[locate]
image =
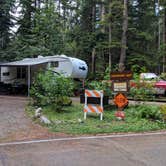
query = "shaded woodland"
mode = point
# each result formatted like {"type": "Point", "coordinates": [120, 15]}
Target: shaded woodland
{"type": "Point", "coordinates": [107, 34]}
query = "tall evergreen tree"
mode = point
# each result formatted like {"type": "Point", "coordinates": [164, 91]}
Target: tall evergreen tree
{"type": "Point", "coordinates": [142, 35]}
{"type": "Point", "coordinates": [124, 37]}
{"type": "Point", "coordinates": [91, 30]}
{"type": "Point", "coordinates": [5, 21]}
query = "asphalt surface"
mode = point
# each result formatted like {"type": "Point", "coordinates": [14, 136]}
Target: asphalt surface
{"type": "Point", "coordinates": [122, 151]}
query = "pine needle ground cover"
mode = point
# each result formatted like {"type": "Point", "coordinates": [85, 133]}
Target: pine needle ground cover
{"type": "Point", "coordinates": [138, 119]}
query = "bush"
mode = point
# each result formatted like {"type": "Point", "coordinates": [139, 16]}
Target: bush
{"type": "Point", "coordinates": [142, 91]}
{"type": "Point", "coordinates": [147, 112]}
{"type": "Point", "coordinates": [101, 85]}
{"type": "Point", "coordinates": [49, 88]}
{"type": "Point", "coordinates": [163, 111]}
{"type": "Point", "coordinates": [163, 76]}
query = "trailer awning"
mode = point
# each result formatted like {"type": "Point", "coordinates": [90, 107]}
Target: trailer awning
{"type": "Point", "coordinates": [35, 61]}
{"type": "Point", "coordinates": [30, 62]}
{"type": "Point", "coordinates": [26, 62]}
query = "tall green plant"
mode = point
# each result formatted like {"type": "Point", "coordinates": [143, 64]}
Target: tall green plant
{"type": "Point", "coordinates": [6, 23]}
{"type": "Point", "coordinates": [150, 112]}
{"type": "Point", "coordinates": [142, 91]}
{"type": "Point", "coordinates": [51, 89]}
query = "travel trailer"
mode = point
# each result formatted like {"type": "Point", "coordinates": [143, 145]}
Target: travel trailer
{"type": "Point", "coordinates": [22, 72]}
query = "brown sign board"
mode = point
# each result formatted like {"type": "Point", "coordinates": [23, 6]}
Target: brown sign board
{"type": "Point", "coordinates": [126, 75]}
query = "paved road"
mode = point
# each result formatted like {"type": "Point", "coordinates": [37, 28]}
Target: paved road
{"type": "Point", "coordinates": [122, 151]}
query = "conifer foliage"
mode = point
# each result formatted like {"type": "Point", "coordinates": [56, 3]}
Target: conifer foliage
{"type": "Point", "coordinates": [119, 34]}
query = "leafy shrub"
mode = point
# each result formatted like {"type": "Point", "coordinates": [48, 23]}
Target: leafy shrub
{"type": "Point", "coordinates": [95, 85]}
{"type": "Point", "coordinates": [49, 88]}
{"type": "Point", "coordinates": [137, 69]}
{"type": "Point", "coordinates": [107, 74]}
{"type": "Point", "coordinates": [163, 76]}
{"type": "Point", "coordinates": [101, 85]}
{"type": "Point", "coordinates": [147, 112]}
{"type": "Point", "coordinates": [142, 91]}
{"type": "Point", "coordinates": [163, 111]}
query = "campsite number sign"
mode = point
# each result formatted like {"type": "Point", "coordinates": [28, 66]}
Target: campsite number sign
{"type": "Point", "coordinates": [120, 86]}
{"type": "Point", "coordinates": [120, 81]}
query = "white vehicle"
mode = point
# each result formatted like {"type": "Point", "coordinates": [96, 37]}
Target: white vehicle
{"type": "Point", "coordinates": [68, 66]}
{"type": "Point", "coordinates": [159, 85]}
{"type": "Point", "coordinates": [148, 76]}
{"type": "Point", "coordinates": [22, 72]}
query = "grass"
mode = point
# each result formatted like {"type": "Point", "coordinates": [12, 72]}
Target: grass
{"type": "Point", "coordinates": [70, 121]}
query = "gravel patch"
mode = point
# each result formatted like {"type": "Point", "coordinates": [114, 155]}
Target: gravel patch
{"type": "Point", "coordinates": [15, 125]}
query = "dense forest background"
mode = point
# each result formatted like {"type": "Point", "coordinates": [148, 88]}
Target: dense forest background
{"type": "Point", "coordinates": [107, 34]}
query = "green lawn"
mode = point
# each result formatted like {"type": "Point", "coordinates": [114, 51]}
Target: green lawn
{"type": "Point", "coordinates": [70, 121]}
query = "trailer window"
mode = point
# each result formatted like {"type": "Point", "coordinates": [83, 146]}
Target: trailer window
{"type": "Point", "coordinates": [6, 74]}
{"type": "Point", "coordinates": [55, 64]}
{"type": "Point", "coordinates": [21, 72]}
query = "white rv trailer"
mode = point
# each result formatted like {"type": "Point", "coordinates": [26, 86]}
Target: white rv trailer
{"type": "Point", "coordinates": [23, 72]}
{"type": "Point", "coordinates": [68, 66]}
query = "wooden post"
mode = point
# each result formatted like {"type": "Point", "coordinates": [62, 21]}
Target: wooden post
{"type": "Point", "coordinates": [124, 38]}
{"type": "Point", "coordinates": [93, 61]}
{"type": "Point", "coordinates": [110, 38]}
{"type": "Point", "coordinates": [29, 80]}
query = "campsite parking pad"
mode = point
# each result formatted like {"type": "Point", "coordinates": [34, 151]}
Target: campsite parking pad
{"type": "Point", "coordinates": [15, 125]}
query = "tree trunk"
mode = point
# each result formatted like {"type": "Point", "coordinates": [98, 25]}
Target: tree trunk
{"type": "Point", "coordinates": [110, 37]}
{"type": "Point", "coordinates": [159, 33]}
{"type": "Point", "coordinates": [39, 3]}
{"type": "Point", "coordinates": [93, 17]}
{"type": "Point", "coordinates": [103, 15]}
{"type": "Point", "coordinates": [59, 7]}
{"type": "Point", "coordinates": [93, 20]}
{"type": "Point", "coordinates": [93, 61]}
{"type": "Point", "coordinates": [124, 38]}
{"type": "Point", "coordinates": [164, 38]}
{"type": "Point", "coordinates": [159, 27]}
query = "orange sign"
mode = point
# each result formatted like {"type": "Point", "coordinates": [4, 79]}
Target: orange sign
{"type": "Point", "coordinates": [120, 100]}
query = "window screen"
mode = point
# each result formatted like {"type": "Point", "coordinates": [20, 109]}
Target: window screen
{"type": "Point", "coordinates": [21, 72]}
{"type": "Point", "coordinates": [6, 74]}
{"type": "Point", "coordinates": [55, 64]}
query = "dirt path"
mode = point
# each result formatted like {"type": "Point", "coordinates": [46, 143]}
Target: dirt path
{"type": "Point", "coordinates": [15, 125]}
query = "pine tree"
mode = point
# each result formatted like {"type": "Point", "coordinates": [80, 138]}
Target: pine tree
{"type": "Point", "coordinates": [142, 35]}
{"type": "Point", "coordinates": [5, 22]}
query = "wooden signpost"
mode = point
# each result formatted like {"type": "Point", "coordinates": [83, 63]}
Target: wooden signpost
{"type": "Point", "coordinates": [120, 86]}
